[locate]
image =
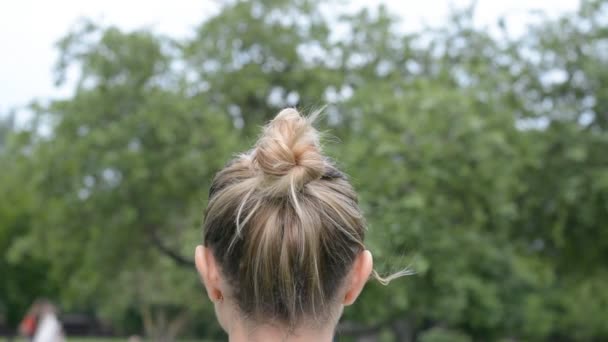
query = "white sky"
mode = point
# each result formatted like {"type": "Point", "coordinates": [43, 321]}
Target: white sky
{"type": "Point", "coordinates": [29, 29]}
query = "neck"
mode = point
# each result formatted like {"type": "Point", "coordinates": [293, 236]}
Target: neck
{"type": "Point", "coordinates": [241, 333]}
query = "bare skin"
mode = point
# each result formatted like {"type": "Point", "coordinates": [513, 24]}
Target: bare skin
{"type": "Point", "coordinates": [240, 330]}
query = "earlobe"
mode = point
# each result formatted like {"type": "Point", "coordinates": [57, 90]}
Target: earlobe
{"type": "Point", "coordinates": [362, 268]}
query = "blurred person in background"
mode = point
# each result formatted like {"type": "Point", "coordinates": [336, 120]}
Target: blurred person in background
{"type": "Point", "coordinates": [27, 327]}
{"type": "Point", "coordinates": [41, 323]}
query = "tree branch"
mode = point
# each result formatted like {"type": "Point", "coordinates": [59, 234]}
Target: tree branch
{"type": "Point", "coordinates": [179, 259]}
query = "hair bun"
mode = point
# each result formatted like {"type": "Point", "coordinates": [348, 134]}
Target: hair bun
{"type": "Point", "coordinates": [288, 153]}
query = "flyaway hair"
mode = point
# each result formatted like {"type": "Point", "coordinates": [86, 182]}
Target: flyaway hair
{"type": "Point", "coordinates": [284, 224]}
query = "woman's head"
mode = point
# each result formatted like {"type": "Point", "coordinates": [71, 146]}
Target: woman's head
{"type": "Point", "coordinates": [283, 233]}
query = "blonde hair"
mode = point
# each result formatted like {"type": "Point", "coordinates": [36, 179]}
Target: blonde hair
{"type": "Point", "coordinates": [284, 224]}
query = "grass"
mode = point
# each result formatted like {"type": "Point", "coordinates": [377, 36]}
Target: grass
{"type": "Point", "coordinates": [95, 339]}
{"type": "Point", "coordinates": [104, 339]}
{"type": "Point", "coordinates": [117, 339]}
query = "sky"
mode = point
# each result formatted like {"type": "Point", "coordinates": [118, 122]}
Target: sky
{"type": "Point", "coordinates": [30, 28]}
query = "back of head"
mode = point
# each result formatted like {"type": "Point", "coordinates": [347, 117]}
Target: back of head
{"type": "Point", "coordinates": [284, 225]}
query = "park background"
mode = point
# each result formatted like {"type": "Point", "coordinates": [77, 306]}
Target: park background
{"type": "Point", "coordinates": [480, 156]}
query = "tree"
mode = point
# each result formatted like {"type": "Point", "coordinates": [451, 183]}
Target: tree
{"type": "Point", "coordinates": [478, 163]}
{"type": "Point", "coordinates": [122, 175]}
{"type": "Point", "coordinates": [24, 278]}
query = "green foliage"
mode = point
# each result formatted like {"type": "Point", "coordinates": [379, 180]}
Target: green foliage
{"type": "Point", "coordinates": [441, 335]}
{"type": "Point", "coordinates": [480, 162]}
{"type": "Point", "coordinates": [23, 276]}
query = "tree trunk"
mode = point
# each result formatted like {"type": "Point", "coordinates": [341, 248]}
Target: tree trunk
{"type": "Point", "coordinates": [159, 328]}
{"type": "Point", "coordinates": [403, 330]}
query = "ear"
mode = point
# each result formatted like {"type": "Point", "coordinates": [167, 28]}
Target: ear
{"type": "Point", "coordinates": [359, 274]}
{"type": "Point", "coordinates": [209, 272]}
